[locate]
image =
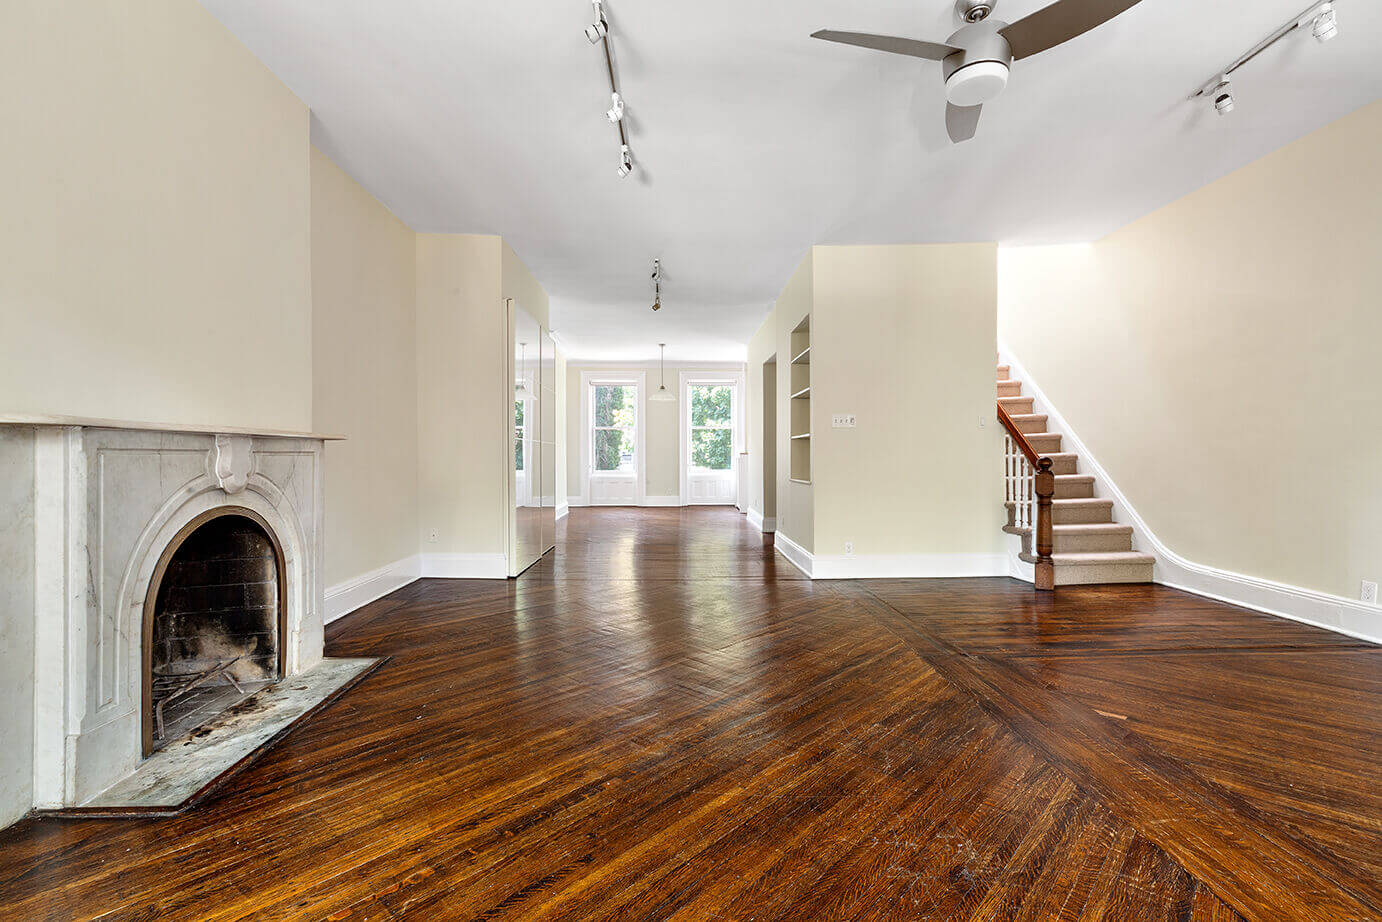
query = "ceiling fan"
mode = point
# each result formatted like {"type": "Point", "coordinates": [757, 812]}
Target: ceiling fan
{"type": "Point", "coordinates": [975, 60]}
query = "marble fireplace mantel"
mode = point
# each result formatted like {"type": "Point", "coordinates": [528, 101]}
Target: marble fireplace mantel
{"type": "Point", "coordinates": [108, 497]}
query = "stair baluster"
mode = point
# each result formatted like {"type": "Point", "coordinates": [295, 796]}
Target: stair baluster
{"type": "Point", "coordinates": [1031, 484]}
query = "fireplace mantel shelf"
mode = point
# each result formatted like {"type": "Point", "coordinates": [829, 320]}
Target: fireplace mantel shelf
{"type": "Point", "coordinates": [21, 419]}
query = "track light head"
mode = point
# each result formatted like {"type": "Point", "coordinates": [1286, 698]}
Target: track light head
{"type": "Point", "coordinates": [616, 110]}
{"type": "Point", "coordinates": [1223, 97]}
{"type": "Point", "coordinates": [625, 161]}
{"type": "Point", "coordinates": [597, 30]}
{"type": "Point", "coordinates": [1326, 24]}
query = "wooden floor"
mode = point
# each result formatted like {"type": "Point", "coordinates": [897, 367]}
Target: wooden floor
{"type": "Point", "coordinates": [664, 722]}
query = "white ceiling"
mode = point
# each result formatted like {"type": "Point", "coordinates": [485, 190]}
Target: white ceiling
{"type": "Point", "coordinates": [754, 141]}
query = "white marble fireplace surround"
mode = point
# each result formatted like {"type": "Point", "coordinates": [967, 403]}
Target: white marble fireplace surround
{"type": "Point", "coordinates": [107, 499]}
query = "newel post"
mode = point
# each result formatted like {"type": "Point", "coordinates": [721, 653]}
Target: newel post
{"type": "Point", "coordinates": [1045, 487]}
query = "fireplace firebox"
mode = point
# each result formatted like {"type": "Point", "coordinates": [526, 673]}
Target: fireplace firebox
{"type": "Point", "coordinates": [214, 622]}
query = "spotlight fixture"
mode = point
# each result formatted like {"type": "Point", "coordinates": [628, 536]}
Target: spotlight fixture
{"type": "Point", "coordinates": [657, 285]}
{"type": "Point", "coordinates": [616, 110]}
{"type": "Point", "coordinates": [625, 163]}
{"type": "Point", "coordinates": [600, 27]}
{"type": "Point", "coordinates": [1318, 16]}
{"type": "Point", "coordinates": [1325, 25]}
{"type": "Point", "coordinates": [1223, 97]}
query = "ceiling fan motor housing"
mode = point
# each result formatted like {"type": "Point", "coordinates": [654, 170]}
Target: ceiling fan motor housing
{"type": "Point", "coordinates": [979, 73]}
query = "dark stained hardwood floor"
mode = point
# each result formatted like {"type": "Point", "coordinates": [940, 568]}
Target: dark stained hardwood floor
{"type": "Point", "coordinates": [663, 721]}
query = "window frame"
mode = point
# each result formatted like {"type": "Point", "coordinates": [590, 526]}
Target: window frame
{"type": "Point", "coordinates": [589, 381]}
{"type": "Point", "coordinates": [734, 379]}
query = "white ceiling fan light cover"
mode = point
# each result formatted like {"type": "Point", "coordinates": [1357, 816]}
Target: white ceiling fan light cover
{"type": "Point", "coordinates": [977, 83]}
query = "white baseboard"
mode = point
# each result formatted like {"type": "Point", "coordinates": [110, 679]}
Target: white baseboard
{"type": "Point", "coordinates": [344, 598]}
{"type": "Point", "coordinates": [757, 520]}
{"type": "Point", "coordinates": [563, 510]}
{"type": "Point", "coordinates": [908, 566]}
{"type": "Point", "coordinates": [465, 566]}
{"type": "Point", "coordinates": [574, 501]}
{"type": "Point", "coordinates": [672, 500]}
{"type": "Point", "coordinates": [796, 555]}
{"type": "Point", "coordinates": [1321, 609]}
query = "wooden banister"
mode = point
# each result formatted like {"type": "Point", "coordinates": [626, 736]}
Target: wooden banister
{"type": "Point", "coordinates": [1043, 489]}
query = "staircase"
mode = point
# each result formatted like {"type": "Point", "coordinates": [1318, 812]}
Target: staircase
{"type": "Point", "coordinates": [1087, 545]}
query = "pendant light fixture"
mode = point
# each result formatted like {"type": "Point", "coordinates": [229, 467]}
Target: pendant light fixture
{"type": "Point", "coordinates": [662, 395]}
{"type": "Point", "coordinates": [520, 388]}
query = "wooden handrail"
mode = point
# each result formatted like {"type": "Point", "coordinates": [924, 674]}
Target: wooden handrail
{"type": "Point", "coordinates": [1044, 487]}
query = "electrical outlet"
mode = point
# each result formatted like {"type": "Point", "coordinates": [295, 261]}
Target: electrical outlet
{"type": "Point", "coordinates": [983, 423]}
{"type": "Point", "coordinates": [842, 421]}
{"type": "Point", "coordinates": [1369, 593]}
{"type": "Point", "coordinates": [849, 548]}
{"type": "Point", "coordinates": [432, 536]}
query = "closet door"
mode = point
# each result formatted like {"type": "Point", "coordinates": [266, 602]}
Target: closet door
{"type": "Point", "coordinates": [527, 492]}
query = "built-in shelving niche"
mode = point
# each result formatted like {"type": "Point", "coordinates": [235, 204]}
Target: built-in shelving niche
{"type": "Point", "coordinates": [800, 390]}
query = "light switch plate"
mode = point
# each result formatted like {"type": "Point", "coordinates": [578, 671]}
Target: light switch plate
{"type": "Point", "coordinates": [1369, 593]}
{"type": "Point", "coordinates": [842, 421]}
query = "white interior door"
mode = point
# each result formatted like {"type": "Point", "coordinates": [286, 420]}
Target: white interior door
{"type": "Point", "coordinates": [710, 439]}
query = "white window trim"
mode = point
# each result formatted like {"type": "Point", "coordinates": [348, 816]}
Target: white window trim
{"type": "Point", "coordinates": [688, 378]}
{"type": "Point", "coordinates": [638, 379]}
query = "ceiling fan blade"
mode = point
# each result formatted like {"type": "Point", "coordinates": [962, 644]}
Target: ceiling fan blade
{"type": "Point", "coordinates": [1059, 22]}
{"type": "Point", "coordinates": [961, 121]}
{"type": "Point", "coordinates": [933, 51]}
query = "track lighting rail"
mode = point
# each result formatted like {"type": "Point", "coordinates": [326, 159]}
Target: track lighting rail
{"type": "Point", "coordinates": [1319, 16]}
{"type": "Point", "coordinates": [598, 33]}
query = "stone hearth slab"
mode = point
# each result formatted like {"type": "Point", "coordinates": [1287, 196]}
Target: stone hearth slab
{"type": "Point", "coordinates": [185, 771]}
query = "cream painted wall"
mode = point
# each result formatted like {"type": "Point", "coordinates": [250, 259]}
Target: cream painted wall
{"type": "Point", "coordinates": [1219, 357]}
{"type": "Point", "coordinates": [563, 451]}
{"type": "Point", "coordinates": [364, 327]}
{"type": "Point", "coordinates": [762, 452]}
{"type": "Point", "coordinates": [796, 517]}
{"type": "Point", "coordinates": [463, 443]}
{"type": "Point", "coordinates": [465, 386]}
{"type": "Point", "coordinates": [156, 232]}
{"type": "Point", "coordinates": [903, 338]}
{"type": "Point", "coordinates": [662, 422]}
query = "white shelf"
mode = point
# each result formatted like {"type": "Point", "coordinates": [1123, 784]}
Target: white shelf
{"type": "Point", "coordinates": [804, 392]}
{"type": "Point", "coordinates": [804, 435]}
{"type": "Point", "coordinates": [803, 357]}
{"type": "Point", "coordinates": [796, 480]}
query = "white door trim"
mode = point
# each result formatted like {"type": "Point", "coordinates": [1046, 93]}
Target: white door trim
{"type": "Point", "coordinates": [639, 380]}
{"type": "Point", "coordinates": [688, 378]}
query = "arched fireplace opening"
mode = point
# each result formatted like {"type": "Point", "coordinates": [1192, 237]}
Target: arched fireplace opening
{"type": "Point", "coordinates": [214, 622]}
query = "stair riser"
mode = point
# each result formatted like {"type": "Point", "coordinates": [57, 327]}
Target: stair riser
{"type": "Point", "coordinates": [1081, 515]}
{"type": "Point", "coordinates": [1103, 574]}
{"type": "Point", "coordinates": [1065, 466]}
{"type": "Point", "coordinates": [1076, 490]}
{"type": "Point", "coordinates": [1003, 372]}
{"type": "Point", "coordinates": [1081, 544]}
{"type": "Point", "coordinates": [1092, 544]}
{"type": "Point", "coordinates": [1030, 425]}
{"type": "Point", "coordinates": [1016, 404]}
{"type": "Point", "coordinates": [1009, 388]}
{"type": "Point", "coordinates": [1045, 443]}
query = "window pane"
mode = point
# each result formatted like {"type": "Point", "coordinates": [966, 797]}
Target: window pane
{"type": "Point", "coordinates": [614, 405]}
{"type": "Point", "coordinates": [614, 450]}
{"type": "Point", "coordinates": [710, 448]}
{"type": "Point", "coordinates": [518, 454]}
{"type": "Point", "coordinates": [518, 414]}
{"type": "Point", "coordinates": [710, 405]}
